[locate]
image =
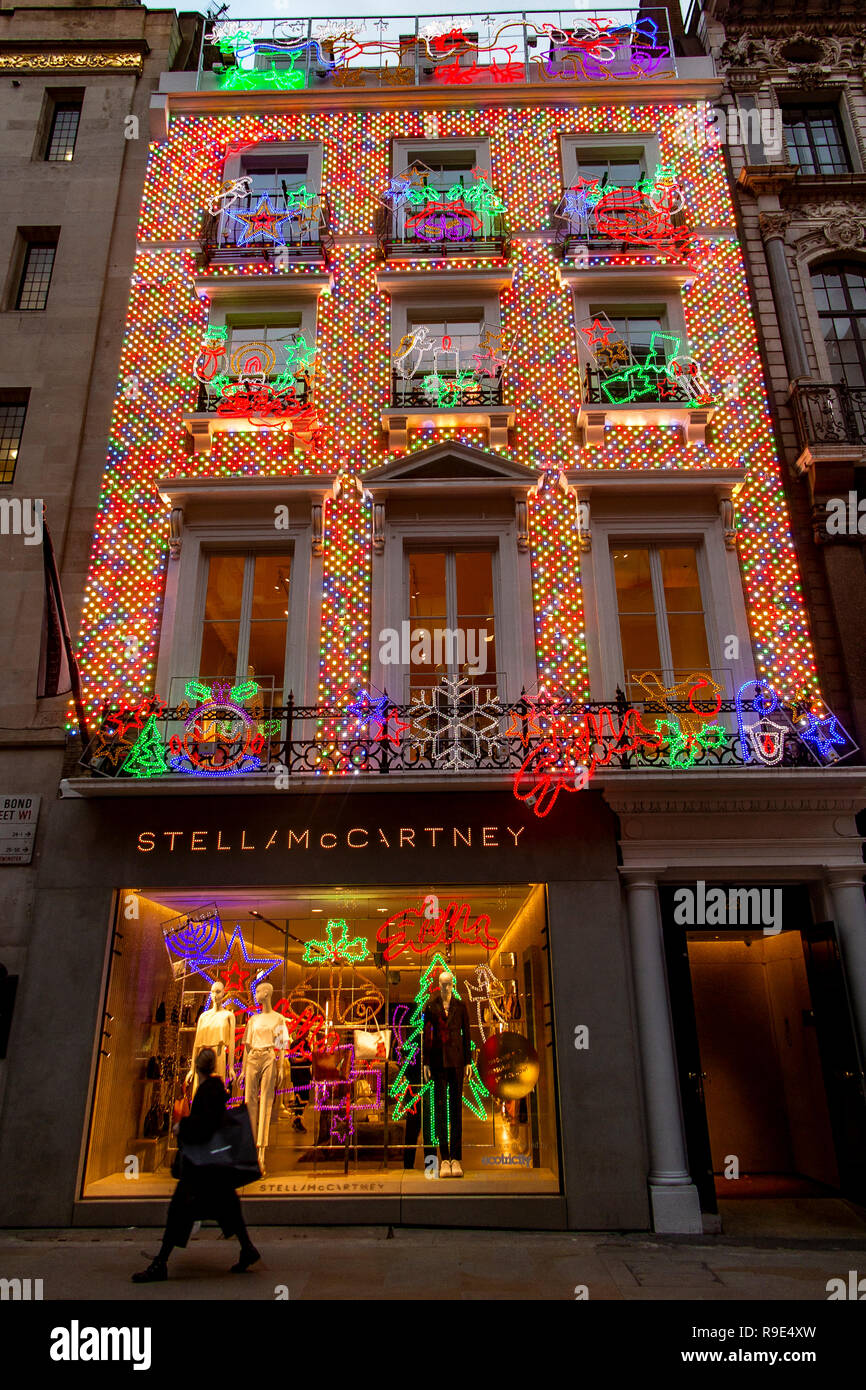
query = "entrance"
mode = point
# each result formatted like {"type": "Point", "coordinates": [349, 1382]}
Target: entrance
{"type": "Point", "coordinates": [768, 1068]}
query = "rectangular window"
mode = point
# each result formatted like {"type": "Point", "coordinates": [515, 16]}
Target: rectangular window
{"type": "Point", "coordinates": [660, 608]}
{"type": "Point", "coordinates": [343, 1108]}
{"type": "Point", "coordinates": [246, 621]}
{"type": "Point", "coordinates": [815, 140]}
{"type": "Point", "coordinates": [452, 618]}
{"type": "Point", "coordinates": [455, 337]}
{"type": "Point", "coordinates": [615, 163]}
{"type": "Point", "coordinates": [63, 131]}
{"type": "Point", "coordinates": [36, 275]}
{"type": "Point", "coordinates": [12, 415]}
{"type": "Point", "coordinates": [446, 167]}
{"type": "Point", "coordinates": [611, 172]}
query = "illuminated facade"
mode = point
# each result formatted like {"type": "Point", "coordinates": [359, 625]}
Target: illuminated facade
{"type": "Point", "coordinates": [443, 553]}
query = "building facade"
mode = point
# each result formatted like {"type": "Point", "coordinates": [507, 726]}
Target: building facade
{"type": "Point", "coordinates": [444, 611]}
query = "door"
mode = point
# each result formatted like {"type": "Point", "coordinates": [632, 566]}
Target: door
{"type": "Point", "coordinates": [841, 1065]}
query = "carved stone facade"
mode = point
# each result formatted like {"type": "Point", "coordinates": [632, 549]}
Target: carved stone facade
{"type": "Point", "coordinates": [796, 224]}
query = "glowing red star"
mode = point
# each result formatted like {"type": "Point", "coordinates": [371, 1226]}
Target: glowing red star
{"type": "Point", "coordinates": [597, 333]}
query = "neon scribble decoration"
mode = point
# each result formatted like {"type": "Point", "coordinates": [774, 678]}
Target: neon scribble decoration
{"type": "Point", "coordinates": [451, 924]}
{"type": "Point", "coordinates": [243, 387]}
{"type": "Point", "coordinates": [261, 221]}
{"type": "Point", "coordinates": [309, 1032]}
{"type": "Point", "coordinates": [260, 64]}
{"type": "Point", "coordinates": [641, 217]}
{"type": "Point", "coordinates": [336, 948]}
{"type": "Point", "coordinates": [221, 738]}
{"type": "Point", "coordinates": [487, 992]}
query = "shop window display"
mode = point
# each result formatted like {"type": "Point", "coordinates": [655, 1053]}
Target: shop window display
{"type": "Point", "coordinates": [392, 1035]}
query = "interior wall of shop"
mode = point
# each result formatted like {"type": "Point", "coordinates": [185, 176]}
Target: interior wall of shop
{"type": "Point", "coordinates": [90, 851]}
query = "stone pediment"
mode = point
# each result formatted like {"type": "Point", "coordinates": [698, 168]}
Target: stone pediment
{"type": "Point", "coordinates": [452, 463]}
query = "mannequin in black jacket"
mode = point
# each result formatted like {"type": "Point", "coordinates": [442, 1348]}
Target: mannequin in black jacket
{"type": "Point", "coordinates": [447, 1055]}
{"type": "Point", "coordinates": [202, 1192]}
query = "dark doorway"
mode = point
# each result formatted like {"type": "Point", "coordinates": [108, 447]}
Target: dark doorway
{"type": "Point", "coordinates": [769, 1077]}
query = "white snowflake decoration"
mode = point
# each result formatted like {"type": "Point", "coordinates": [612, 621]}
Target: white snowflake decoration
{"type": "Point", "coordinates": [458, 724]}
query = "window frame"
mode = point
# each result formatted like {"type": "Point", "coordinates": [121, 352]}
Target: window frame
{"type": "Point", "coordinates": [180, 640]}
{"type": "Point", "coordinates": [464, 528]}
{"type": "Point", "coordinates": [32, 243]}
{"type": "Point", "coordinates": [450, 551]}
{"type": "Point", "coordinates": [20, 399]}
{"type": "Point", "coordinates": [58, 102]}
{"type": "Point", "coordinates": [818, 316]}
{"type": "Point", "coordinates": [621, 144]}
{"type": "Point", "coordinates": [697, 524]}
{"type": "Point", "coordinates": [795, 101]}
{"type": "Point", "coordinates": [406, 150]}
{"type": "Point", "coordinates": [236, 164]}
{"type": "Point", "coordinates": [667, 669]}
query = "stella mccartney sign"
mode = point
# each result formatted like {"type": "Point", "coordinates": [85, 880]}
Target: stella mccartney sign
{"type": "Point", "coordinates": [357, 837]}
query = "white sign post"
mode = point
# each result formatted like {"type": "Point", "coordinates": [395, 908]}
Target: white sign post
{"type": "Point", "coordinates": [19, 816]}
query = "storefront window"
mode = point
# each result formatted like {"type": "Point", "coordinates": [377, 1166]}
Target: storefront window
{"type": "Point", "coordinates": [350, 1065]}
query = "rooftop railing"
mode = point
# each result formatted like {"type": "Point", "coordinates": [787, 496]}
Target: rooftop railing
{"type": "Point", "coordinates": [829, 413]}
{"type": "Point", "coordinates": [516, 46]}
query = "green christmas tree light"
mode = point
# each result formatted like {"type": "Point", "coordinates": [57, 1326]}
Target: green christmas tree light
{"type": "Point", "coordinates": [147, 757]}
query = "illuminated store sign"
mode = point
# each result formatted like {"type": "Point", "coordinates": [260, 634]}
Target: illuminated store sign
{"type": "Point", "coordinates": [358, 837]}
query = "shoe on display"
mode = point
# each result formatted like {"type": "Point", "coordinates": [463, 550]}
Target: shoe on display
{"type": "Point", "coordinates": [248, 1256]}
{"type": "Point", "coordinates": [456, 1168]}
{"type": "Point", "coordinates": [445, 1168]}
{"type": "Point", "coordinates": [156, 1271]}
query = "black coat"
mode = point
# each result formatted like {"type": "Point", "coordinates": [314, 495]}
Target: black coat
{"type": "Point", "coordinates": [204, 1192]}
{"type": "Point", "coordinates": [446, 1037]}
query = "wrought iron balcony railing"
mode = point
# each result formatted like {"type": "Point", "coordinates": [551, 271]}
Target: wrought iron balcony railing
{"type": "Point", "coordinates": [440, 230]}
{"type": "Point", "coordinates": [445, 391]}
{"type": "Point", "coordinates": [829, 413]}
{"type": "Point", "coordinates": [211, 393]}
{"type": "Point", "coordinates": [458, 728]}
{"type": "Point", "coordinates": [633, 385]}
{"type": "Point", "coordinates": [624, 222]}
{"type": "Point", "coordinates": [280, 225]}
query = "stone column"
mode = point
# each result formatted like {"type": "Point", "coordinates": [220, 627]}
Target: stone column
{"type": "Point", "coordinates": [849, 912]}
{"type": "Point", "coordinates": [673, 1196]}
{"type": "Point", "coordinates": [773, 227]}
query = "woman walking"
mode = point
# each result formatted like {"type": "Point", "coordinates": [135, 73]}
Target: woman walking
{"type": "Point", "coordinates": [205, 1191]}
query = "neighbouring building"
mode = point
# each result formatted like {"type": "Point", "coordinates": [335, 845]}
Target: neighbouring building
{"type": "Point", "coordinates": [444, 610]}
{"type": "Point", "coordinates": [75, 89]}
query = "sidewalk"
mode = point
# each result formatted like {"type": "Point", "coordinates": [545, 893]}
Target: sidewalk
{"type": "Point", "coordinates": [365, 1263]}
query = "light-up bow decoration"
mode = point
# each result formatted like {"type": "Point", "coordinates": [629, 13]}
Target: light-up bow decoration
{"type": "Point", "coordinates": [337, 947]}
{"type": "Point", "coordinates": [221, 738]}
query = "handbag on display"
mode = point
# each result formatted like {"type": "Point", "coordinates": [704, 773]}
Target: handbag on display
{"type": "Point", "coordinates": [180, 1109]}
{"type": "Point", "coordinates": [151, 1123]}
{"type": "Point", "coordinates": [332, 1066]}
{"type": "Point", "coordinates": [372, 1047]}
{"type": "Point", "coordinates": [152, 1071]}
{"type": "Point", "coordinates": [160, 1012]}
{"type": "Point", "coordinates": [231, 1148]}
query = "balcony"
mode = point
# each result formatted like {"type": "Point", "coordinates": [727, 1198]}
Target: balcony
{"type": "Point", "coordinates": [658, 385]}
{"type": "Point", "coordinates": [628, 224]}
{"type": "Point", "coordinates": [443, 224]}
{"type": "Point", "coordinates": [435, 52]}
{"type": "Point", "coordinates": [831, 423]}
{"type": "Point", "coordinates": [282, 226]}
{"type": "Point", "coordinates": [446, 399]}
{"type": "Point", "coordinates": [245, 403]}
{"type": "Point", "coordinates": [540, 746]}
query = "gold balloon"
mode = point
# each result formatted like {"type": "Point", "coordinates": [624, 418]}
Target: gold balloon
{"type": "Point", "coordinates": [508, 1065]}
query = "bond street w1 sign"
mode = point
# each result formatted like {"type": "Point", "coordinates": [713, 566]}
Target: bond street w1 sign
{"type": "Point", "coordinates": [19, 816]}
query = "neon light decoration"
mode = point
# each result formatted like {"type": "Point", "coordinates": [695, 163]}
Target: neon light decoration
{"type": "Point", "coordinates": [378, 710]}
{"type": "Point", "coordinates": [455, 728]}
{"type": "Point", "coordinates": [261, 221]}
{"type": "Point", "coordinates": [147, 758]}
{"type": "Point", "coordinates": [219, 723]}
{"type": "Point", "coordinates": [309, 1032]}
{"type": "Point", "coordinates": [408, 1094]}
{"type": "Point", "coordinates": [451, 924]}
{"type": "Point", "coordinates": [663, 373]}
{"type": "Point", "coordinates": [336, 948]}
{"type": "Point", "coordinates": [486, 992]}
{"type": "Point", "coordinates": [195, 934]}
{"type": "Point", "coordinates": [166, 325]}
{"type": "Point", "coordinates": [684, 748]}
{"type": "Point", "coordinates": [693, 689]}
{"type": "Point", "coordinates": [231, 192]}
{"type": "Point", "coordinates": [236, 968]}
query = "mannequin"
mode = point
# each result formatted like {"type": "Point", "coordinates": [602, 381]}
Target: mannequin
{"type": "Point", "coordinates": [447, 1055]}
{"type": "Point", "coordinates": [216, 1029]}
{"type": "Point", "coordinates": [265, 1041]}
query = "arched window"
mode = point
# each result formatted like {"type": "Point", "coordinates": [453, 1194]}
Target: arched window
{"type": "Point", "coordinates": [840, 297]}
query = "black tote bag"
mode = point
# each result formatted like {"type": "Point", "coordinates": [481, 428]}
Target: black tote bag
{"type": "Point", "coordinates": [231, 1148]}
